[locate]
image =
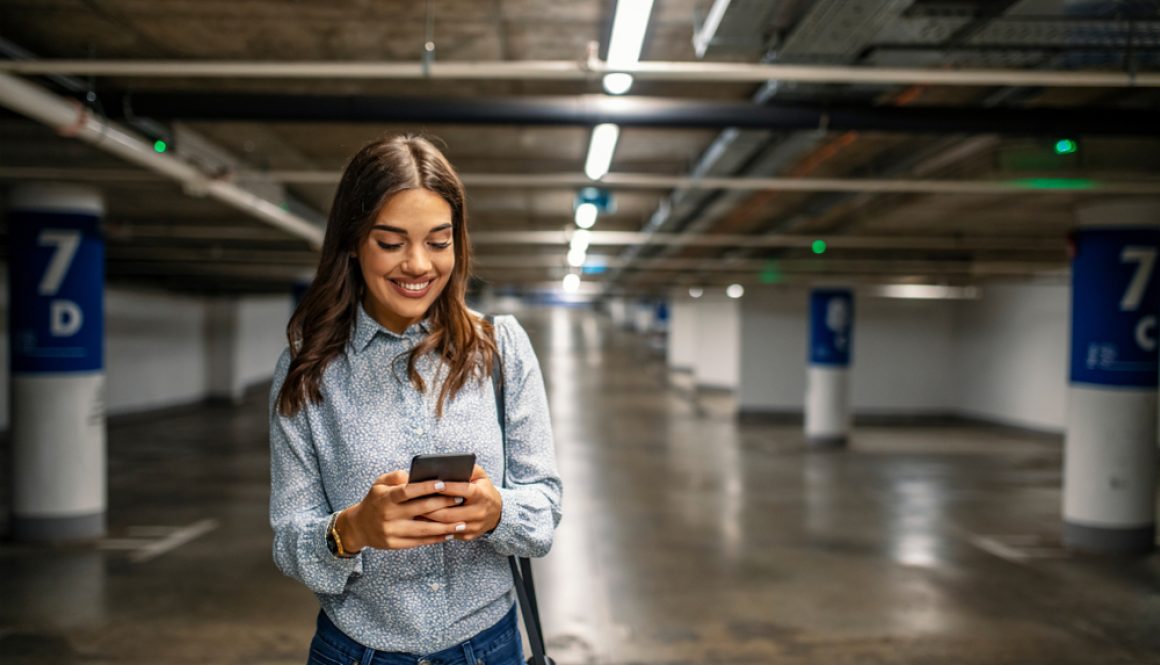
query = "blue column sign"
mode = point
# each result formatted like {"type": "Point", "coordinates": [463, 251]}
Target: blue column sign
{"type": "Point", "coordinates": [56, 277]}
{"type": "Point", "coordinates": [1115, 302]}
{"type": "Point", "coordinates": [831, 326]}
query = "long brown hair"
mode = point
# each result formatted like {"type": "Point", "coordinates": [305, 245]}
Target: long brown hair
{"type": "Point", "coordinates": [321, 325]}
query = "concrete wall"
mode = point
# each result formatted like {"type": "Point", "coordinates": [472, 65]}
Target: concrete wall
{"type": "Point", "coordinates": [1012, 355]}
{"type": "Point", "coordinates": [158, 346]}
{"type": "Point", "coordinates": [261, 337]}
{"type": "Point", "coordinates": [901, 356]}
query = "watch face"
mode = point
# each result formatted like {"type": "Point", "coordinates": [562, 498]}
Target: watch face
{"type": "Point", "coordinates": [330, 544]}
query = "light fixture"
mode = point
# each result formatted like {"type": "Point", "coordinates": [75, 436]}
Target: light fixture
{"type": "Point", "coordinates": [617, 83]}
{"type": "Point", "coordinates": [735, 291]}
{"type": "Point", "coordinates": [576, 257]}
{"type": "Point", "coordinates": [696, 292]}
{"type": "Point", "coordinates": [600, 150]}
{"type": "Point", "coordinates": [571, 282]}
{"type": "Point", "coordinates": [586, 215]}
{"type": "Point", "coordinates": [581, 239]}
{"type": "Point", "coordinates": [628, 28]}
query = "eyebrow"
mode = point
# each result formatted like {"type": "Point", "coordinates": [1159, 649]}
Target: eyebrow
{"type": "Point", "coordinates": [395, 229]}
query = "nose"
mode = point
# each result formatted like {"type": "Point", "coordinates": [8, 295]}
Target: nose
{"type": "Point", "coordinates": [417, 262]}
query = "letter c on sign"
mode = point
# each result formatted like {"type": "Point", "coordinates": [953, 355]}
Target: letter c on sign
{"type": "Point", "coordinates": [1146, 333]}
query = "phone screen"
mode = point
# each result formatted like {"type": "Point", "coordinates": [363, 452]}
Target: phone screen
{"type": "Point", "coordinates": [454, 468]}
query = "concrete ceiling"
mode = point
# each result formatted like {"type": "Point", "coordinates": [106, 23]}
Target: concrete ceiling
{"type": "Point", "coordinates": [161, 235]}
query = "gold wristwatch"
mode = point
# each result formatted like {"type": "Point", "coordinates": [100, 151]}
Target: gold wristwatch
{"type": "Point", "coordinates": [334, 541]}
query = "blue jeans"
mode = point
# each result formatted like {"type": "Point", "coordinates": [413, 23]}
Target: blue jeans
{"type": "Point", "coordinates": [498, 645]}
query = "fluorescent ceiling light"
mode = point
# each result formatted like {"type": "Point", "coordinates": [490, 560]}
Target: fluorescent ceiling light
{"type": "Point", "coordinates": [600, 150]}
{"type": "Point", "coordinates": [571, 283]}
{"type": "Point", "coordinates": [581, 239]}
{"type": "Point", "coordinates": [586, 215]}
{"type": "Point", "coordinates": [927, 291]}
{"type": "Point", "coordinates": [735, 291]}
{"type": "Point", "coordinates": [617, 83]}
{"type": "Point", "coordinates": [696, 292]}
{"type": "Point", "coordinates": [576, 257]}
{"type": "Point", "coordinates": [628, 28]}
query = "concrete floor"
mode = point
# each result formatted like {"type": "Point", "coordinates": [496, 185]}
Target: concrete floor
{"type": "Point", "coordinates": [687, 538]}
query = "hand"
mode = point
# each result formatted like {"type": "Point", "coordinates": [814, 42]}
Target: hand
{"type": "Point", "coordinates": [481, 509]}
{"type": "Point", "coordinates": [385, 518]}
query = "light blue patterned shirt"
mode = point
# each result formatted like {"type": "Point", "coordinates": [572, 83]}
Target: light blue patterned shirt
{"type": "Point", "coordinates": [371, 421]}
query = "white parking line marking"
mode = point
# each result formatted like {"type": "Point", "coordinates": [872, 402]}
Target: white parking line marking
{"type": "Point", "coordinates": [174, 540]}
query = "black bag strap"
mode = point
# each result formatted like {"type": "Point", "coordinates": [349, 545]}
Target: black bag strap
{"type": "Point", "coordinates": [521, 566]}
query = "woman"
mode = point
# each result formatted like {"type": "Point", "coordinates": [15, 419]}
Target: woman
{"type": "Point", "coordinates": [384, 362]}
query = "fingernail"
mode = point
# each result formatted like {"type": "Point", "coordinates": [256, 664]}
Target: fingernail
{"type": "Point", "coordinates": [449, 537]}
{"type": "Point", "coordinates": [460, 527]}
{"type": "Point", "coordinates": [439, 486]}
{"type": "Point", "coordinates": [458, 500]}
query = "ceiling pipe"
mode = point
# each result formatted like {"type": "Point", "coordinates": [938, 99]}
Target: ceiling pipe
{"type": "Point", "coordinates": [567, 70]}
{"type": "Point", "coordinates": [71, 119]}
{"type": "Point", "coordinates": [638, 181]}
{"type": "Point", "coordinates": [929, 243]}
{"type": "Point", "coordinates": [592, 110]}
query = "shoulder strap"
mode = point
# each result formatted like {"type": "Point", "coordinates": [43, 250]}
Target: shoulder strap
{"type": "Point", "coordinates": [521, 567]}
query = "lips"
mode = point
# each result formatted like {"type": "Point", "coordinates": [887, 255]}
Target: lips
{"type": "Point", "coordinates": [410, 289]}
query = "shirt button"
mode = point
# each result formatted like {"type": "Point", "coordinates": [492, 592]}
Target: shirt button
{"type": "Point", "coordinates": [418, 430]}
{"type": "Point", "coordinates": [435, 586]}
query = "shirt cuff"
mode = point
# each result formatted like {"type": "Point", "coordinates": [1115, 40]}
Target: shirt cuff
{"type": "Point", "coordinates": [333, 572]}
{"type": "Point", "coordinates": [504, 533]}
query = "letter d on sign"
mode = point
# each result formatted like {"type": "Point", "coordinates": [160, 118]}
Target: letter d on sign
{"type": "Point", "coordinates": [66, 318]}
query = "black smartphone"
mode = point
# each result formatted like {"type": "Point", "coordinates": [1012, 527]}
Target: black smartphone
{"type": "Point", "coordinates": [453, 468]}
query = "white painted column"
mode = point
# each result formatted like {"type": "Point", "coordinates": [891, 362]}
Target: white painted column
{"type": "Point", "coordinates": [57, 334]}
{"type": "Point", "coordinates": [682, 350]}
{"type": "Point", "coordinates": [717, 359]}
{"type": "Point", "coordinates": [221, 343]}
{"type": "Point", "coordinates": [827, 402]}
{"type": "Point", "coordinates": [1111, 457]}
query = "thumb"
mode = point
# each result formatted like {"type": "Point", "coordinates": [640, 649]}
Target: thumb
{"type": "Point", "coordinates": [398, 477]}
{"type": "Point", "coordinates": [479, 474]}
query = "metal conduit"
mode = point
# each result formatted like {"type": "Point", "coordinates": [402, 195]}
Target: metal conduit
{"type": "Point", "coordinates": [566, 70]}
{"type": "Point", "coordinates": [70, 119]}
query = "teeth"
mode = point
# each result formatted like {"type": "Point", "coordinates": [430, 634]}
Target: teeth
{"type": "Point", "coordinates": [418, 286]}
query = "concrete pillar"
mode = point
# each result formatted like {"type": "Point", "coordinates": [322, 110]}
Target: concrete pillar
{"type": "Point", "coordinates": [827, 379]}
{"type": "Point", "coordinates": [1109, 487]}
{"type": "Point", "coordinates": [682, 347]}
{"type": "Point", "coordinates": [717, 359]}
{"type": "Point", "coordinates": [618, 310]}
{"type": "Point", "coordinates": [221, 343]}
{"type": "Point", "coordinates": [57, 334]}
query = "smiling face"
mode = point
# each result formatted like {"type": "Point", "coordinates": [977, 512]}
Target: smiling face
{"type": "Point", "coordinates": [407, 258]}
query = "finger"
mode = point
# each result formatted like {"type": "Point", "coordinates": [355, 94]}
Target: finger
{"type": "Point", "coordinates": [424, 529]}
{"type": "Point", "coordinates": [397, 477]}
{"type": "Point", "coordinates": [478, 473]}
{"type": "Point", "coordinates": [465, 490]}
{"type": "Point", "coordinates": [415, 490]}
{"type": "Point", "coordinates": [430, 504]}
{"type": "Point", "coordinates": [454, 515]}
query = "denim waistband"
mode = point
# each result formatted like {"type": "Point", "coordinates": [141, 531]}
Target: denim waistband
{"type": "Point", "coordinates": [330, 634]}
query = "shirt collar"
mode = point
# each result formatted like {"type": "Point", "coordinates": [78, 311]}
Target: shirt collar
{"type": "Point", "coordinates": [366, 327]}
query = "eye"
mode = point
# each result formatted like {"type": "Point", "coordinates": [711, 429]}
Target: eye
{"type": "Point", "coordinates": [388, 245]}
{"type": "Point", "coordinates": [441, 245]}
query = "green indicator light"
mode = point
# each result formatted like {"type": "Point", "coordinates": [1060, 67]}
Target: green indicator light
{"type": "Point", "coordinates": [1056, 183]}
{"type": "Point", "coordinates": [771, 273]}
{"type": "Point", "coordinates": [1065, 147]}
{"type": "Point", "coordinates": [819, 247]}
{"type": "Point", "coordinates": [160, 146]}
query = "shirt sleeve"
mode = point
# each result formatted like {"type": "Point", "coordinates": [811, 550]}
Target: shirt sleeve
{"type": "Point", "coordinates": [532, 496]}
{"type": "Point", "coordinates": [299, 509]}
